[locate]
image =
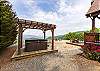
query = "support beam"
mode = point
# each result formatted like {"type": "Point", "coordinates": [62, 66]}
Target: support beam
{"type": "Point", "coordinates": [52, 39]}
{"type": "Point", "coordinates": [93, 24]}
{"type": "Point", "coordinates": [20, 38]}
{"type": "Point", "coordinates": [44, 34]}
{"type": "Point", "coordinates": [98, 16]}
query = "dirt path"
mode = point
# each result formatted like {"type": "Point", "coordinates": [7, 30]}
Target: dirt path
{"type": "Point", "coordinates": [65, 60]}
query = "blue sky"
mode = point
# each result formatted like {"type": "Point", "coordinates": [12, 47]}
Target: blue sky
{"type": "Point", "coordinates": [68, 15]}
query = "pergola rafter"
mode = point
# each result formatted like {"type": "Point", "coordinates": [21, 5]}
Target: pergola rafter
{"type": "Point", "coordinates": [35, 25]}
{"type": "Point", "coordinates": [28, 24]}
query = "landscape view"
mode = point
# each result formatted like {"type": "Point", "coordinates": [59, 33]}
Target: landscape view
{"type": "Point", "coordinates": [50, 35]}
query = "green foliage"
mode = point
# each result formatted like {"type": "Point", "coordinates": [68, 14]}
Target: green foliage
{"type": "Point", "coordinates": [98, 30]}
{"type": "Point", "coordinates": [93, 56]}
{"type": "Point", "coordinates": [74, 35]}
{"type": "Point", "coordinates": [8, 25]}
{"type": "Point", "coordinates": [77, 35]}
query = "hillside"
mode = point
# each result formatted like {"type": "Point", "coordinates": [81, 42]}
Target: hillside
{"type": "Point", "coordinates": [59, 37]}
{"type": "Point", "coordinates": [28, 37]}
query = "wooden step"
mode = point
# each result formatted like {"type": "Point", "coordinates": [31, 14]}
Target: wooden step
{"type": "Point", "coordinates": [32, 54]}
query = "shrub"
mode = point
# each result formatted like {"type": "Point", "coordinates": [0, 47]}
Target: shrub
{"type": "Point", "coordinates": [93, 55]}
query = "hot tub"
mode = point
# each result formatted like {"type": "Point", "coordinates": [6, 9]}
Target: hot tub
{"type": "Point", "coordinates": [35, 45]}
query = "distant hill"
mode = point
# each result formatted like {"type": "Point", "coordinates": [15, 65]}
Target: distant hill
{"type": "Point", "coordinates": [28, 37]}
{"type": "Point", "coordinates": [59, 37]}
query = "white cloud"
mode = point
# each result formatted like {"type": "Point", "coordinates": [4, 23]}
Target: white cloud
{"type": "Point", "coordinates": [68, 17]}
{"type": "Point", "coordinates": [50, 17]}
{"type": "Point", "coordinates": [98, 23]}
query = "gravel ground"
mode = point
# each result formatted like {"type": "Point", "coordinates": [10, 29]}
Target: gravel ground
{"type": "Point", "coordinates": [66, 59]}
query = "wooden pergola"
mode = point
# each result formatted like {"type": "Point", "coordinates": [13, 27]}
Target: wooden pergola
{"type": "Point", "coordinates": [94, 12]}
{"type": "Point", "coordinates": [28, 24]}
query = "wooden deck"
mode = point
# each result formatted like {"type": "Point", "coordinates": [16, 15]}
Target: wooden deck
{"type": "Point", "coordinates": [25, 55]}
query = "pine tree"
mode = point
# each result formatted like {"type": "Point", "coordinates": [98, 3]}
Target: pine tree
{"type": "Point", "coordinates": [7, 24]}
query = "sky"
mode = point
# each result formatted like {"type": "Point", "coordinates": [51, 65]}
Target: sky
{"type": "Point", "coordinates": [67, 15]}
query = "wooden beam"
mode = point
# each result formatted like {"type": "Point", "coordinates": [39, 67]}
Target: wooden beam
{"type": "Point", "coordinates": [98, 17]}
{"type": "Point", "coordinates": [20, 38]}
{"type": "Point", "coordinates": [40, 26]}
{"type": "Point", "coordinates": [93, 14]}
{"type": "Point", "coordinates": [24, 29]}
{"type": "Point", "coordinates": [52, 39]}
{"type": "Point", "coordinates": [93, 24]}
{"type": "Point", "coordinates": [35, 25]}
{"type": "Point", "coordinates": [44, 34]}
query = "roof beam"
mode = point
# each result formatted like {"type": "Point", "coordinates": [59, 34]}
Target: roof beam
{"type": "Point", "coordinates": [35, 25]}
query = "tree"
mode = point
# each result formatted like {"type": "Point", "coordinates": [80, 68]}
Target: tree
{"type": "Point", "coordinates": [8, 25]}
{"type": "Point", "coordinates": [74, 35]}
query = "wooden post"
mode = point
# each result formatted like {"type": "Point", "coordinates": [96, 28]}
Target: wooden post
{"type": "Point", "coordinates": [52, 39]}
{"type": "Point", "coordinates": [44, 34]}
{"type": "Point", "coordinates": [20, 38]}
{"type": "Point", "coordinates": [93, 24]}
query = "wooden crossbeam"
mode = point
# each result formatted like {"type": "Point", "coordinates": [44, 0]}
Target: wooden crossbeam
{"type": "Point", "coordinates": [35, 25]}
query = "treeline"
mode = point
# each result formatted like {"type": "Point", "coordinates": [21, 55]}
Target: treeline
{"type": "Point", "coordinates": [59, 37]}
{"type": "Point", "coordinates": [77, 35]}
{"type": "Point", "coordinates": [73, 35]}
